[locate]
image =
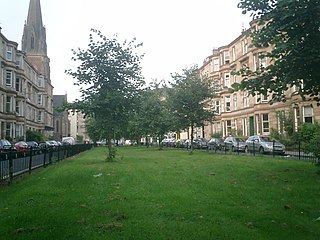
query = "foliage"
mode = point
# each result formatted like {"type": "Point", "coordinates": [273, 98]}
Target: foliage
{"type": "Point", "coordinates": [93, 129]}
{"type": "Point", "coordinates": [34, 136]}
{"type": "Point", "coordinates": [292, 28]}
{"type": "Point", "coordinates": [187, 99]}
{"type": "Point", "coordinates": [309, 135]}
{"type": "Point", "coordinates": [110, 80]}
{"type": "Point", "coordinates": [154, 113]}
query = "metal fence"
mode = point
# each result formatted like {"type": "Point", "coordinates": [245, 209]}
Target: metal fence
{"type": "Point", "coordinates": [14, 163]}
{"type": "Point", "coordinates": [294, 151]}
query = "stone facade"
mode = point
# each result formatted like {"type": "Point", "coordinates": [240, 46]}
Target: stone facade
{"type": "Point", "coordinates": [78, 127]}
{"type": "Point", "coordinates": [61, 120]}
{"type": "Point", "coordinates": [243, 115]}
{"type": "Point", "coordinates": [25, 85]}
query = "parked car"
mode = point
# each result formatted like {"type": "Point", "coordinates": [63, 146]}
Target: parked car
{"type": "Point", "coordinates": [34, 145]}
{"type": "Point", "coordinates": [46, 145]}
{"type": "Point", "coordinates": [216, 144]}
{"type": "Point", "coordinates": [5, 145]}
{"type": "Point", "coordinates": [200, 143]}
{"type": "Point", "coordinates": [71, 141]}
{"type": "Point", "coordinates": [234, 144]}
{"type": "Point", "coordinates": [264, 144]}
{"type": "Point", "coordinates": [21, 146]}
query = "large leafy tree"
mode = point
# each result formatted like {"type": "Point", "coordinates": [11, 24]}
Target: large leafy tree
{"type": "Point", "coordinates": [188, 99]}
{"type": "Point", "coordinates": [152, 117]}
{"type": "Point", "coordinates": [110, 80]}
{"type": "Point", "coordinates": [292, 28]}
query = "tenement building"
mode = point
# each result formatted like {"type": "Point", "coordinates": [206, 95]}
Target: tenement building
{"type": "Point", "coordinates": [239, 113]}
{"type": "Point", "coordinates": [25, 85]}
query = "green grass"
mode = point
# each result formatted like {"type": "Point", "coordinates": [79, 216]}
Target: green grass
{"type": "Point", "coordinates": [168, 194]}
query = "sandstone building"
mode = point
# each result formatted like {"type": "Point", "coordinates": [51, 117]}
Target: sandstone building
{"type": "Point", "coordinates": [243, 115]}
{"type": "Point", "coordinates": [25, 84]}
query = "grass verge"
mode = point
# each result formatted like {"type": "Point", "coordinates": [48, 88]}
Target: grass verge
{"type": "Point", "coordinates": [168, 194]}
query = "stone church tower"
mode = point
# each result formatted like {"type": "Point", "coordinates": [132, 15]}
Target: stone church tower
{"type": "Point", "coordinates": [34, 46]}
{"type": "Point", "coordinates": [34, 40]}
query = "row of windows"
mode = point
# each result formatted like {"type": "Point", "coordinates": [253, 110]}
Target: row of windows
{"type": "Point", "coordinates": [262, 123]}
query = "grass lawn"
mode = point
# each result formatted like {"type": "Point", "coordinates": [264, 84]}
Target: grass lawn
{"type": "Point", "coordinates": [168, 194]}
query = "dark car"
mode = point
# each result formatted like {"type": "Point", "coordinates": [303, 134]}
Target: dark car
{"type": "Point", "coordinates": [234, 144]}
{"type": "Point", "coordinates": [34, 146]}
{"type": "Point", "coordinates": [216, 144]}
{"type": "Point", "coordinates": [200, 143]}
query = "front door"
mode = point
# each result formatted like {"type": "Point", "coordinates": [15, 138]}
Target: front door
{"type": "Point", "coordinates": [251, 125]}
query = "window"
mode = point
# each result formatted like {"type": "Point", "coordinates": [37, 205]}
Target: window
{"type": "Point", "coordinates": [296, 112]}
{"type": "Point", "coordinates": [228, 126]}
{"type": "Point", "coordinates": [8, 130]}
{"type": "Point", "coordinates": [235, 80]}
{"type": "Point", "coordinates": [228, 104]}
{"type": "Point", "coordinates": [40, 116]}
{"type": "Point", "coordinates": [9, 78]}
{"type": "Point", "coordinates": [216, 65]}
{"type": "Point", "coordinates": [9, 104]}
{"type": "Point", "coordinates": [233, 53]}
{"type": "Point", "coordinates": [264, 98]}
{"type": "Point", "coordinates": [18, 84]}
{"type": "Point", "coordinates": [245, 99]}
{"type": "Point", "coordinates": [9, 53]}
{"type": "Point", "coordinates": [18, 108]}
{"type": "Point", "coordinates": [226, 57]}
{"type": "Point", "coordinates": [244, 126]}
{"type": "Point", "coordinates": [217, 107]}
{"type": "Point", "coordinates": [265, 123]}
{"type": "Point", "coordinates": [308, 114]}
{"type": "Point", "coordinates": [259, 61]}
{"type": "Point", "coordinates": [235, 102]}
{"type": "Point", "coordinates": [244, 46]}
{"type": "Point", "coordinates": [227, 80]}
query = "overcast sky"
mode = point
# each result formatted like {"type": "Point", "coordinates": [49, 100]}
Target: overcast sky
{"type": "Point", "coordinates": [175, 33]}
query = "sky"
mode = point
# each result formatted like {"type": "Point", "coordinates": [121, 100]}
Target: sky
{"type": "Point", "coordinates": [175, 33]}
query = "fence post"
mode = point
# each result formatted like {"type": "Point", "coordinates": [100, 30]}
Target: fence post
{"type": "Point", "coordinates": [10, 155]}
{"type": "Point", "coordinates": [44, 157]}
{"type": "Point", "coordinates": [238, 150]}
{"type": "Point", "coordinates": [50, 155]}
{"type": "Point", "coordinates": [299, 148]}
{"type": "Point", "coordinates": [30, 161]}
{"type": "Point", "coordinates": [253, 148]}
{"type": "Point", "coordinates": [58, 154]}
{"type": "Point", "coordinates": [273, 142]}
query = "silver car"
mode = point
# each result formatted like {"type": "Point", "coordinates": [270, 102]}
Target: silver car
{"type": "Point", "coordinates": [264, 144]}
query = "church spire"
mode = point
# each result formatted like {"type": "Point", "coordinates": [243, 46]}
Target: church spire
{"type": "Point", "coordinates": [34, 35]}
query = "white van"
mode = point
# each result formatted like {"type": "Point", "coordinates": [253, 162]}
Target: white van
{"type": "Point", "coordinates": [68, 141]}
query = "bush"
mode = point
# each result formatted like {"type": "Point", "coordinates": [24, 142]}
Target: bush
{"type": "Point", "coordinates": [309, 136]}
{"type": "Point", "coordinates": [35, 136]}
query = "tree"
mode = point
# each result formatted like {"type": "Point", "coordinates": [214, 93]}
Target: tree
{"type": "Point", "coordinates": [34, 136]}
{"type": "Point", "coordinates": [110, 80]}
{"type": "Point", "coordinates": [152, 117]}
{"type": "Point", "coordinates": [93, 129]}
{"type": "Point", "coordinates": [188, 99]}
{"type": "Point", "coordinates": [292, 28]}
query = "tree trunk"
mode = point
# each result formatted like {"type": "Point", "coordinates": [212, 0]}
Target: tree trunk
{"type": "Point", "coordinates": [191, 138]}
{"type": "Point", "coordinates": [111, 151]}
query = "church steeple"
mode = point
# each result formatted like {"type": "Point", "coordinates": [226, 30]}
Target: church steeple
{"type": "Point", "coordinates": [34, 42]}
{"type": "Point", "coordinates": [34, 34]}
